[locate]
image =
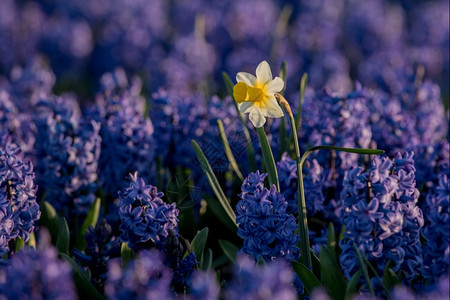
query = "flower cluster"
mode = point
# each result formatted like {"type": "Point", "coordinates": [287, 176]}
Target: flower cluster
{"type": "Point", "coordinates": [19, 211]}
{"type": "Point", "coordinates": [381, 216]}
{"type": "Point", "coordinates": [146, 277]}
{"type": "Point", "coordinates": [37, 274]}
{"type": "Point", "coordinates": [146, 219]}
{"type": "Point", "coordinates": [264, 225]}
{"type": "Point", "coordinates": [272, 281]}
{"type": "Point", "coordinates": [68, 149]}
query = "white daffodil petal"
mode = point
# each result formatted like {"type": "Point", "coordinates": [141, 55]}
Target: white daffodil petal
{"type": "Point", "coordinates": [245, 107]}
{"type": "Point", "coordinates": [246, 78]}
{"type": "Point", "coordinates": [275, 86]}
{"type": "Point", "coordinates": [272, 109]}
{"type": "Point", "coordinates": [263, 73]}
{"type": "Point", "coordinates": [256, 117]}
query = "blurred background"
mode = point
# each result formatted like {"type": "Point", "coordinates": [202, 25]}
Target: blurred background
{"type": "Point", "coordinates": [184, 45]}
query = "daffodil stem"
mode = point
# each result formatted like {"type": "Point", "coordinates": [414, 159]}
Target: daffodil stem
{"type": "Point", "coordinates": [269, 161]}
{"type": "Point", "coordinates": [302, 215]}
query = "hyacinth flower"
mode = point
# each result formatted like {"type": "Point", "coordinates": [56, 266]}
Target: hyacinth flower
{"type": "Point", "coordinates": [146, 277]}
{"type": "Point", "coordinates": [250, 281]}
{"type": "Point", "coordinates": [264, 225]}
{"type": "Point", "coordinates": [204, 286]}
{"type": "Point", "coordinates": [146, 219]}
{"type": "Point", "coordinates": [37, 274]}
{"type": "Point", "coordinates": [381, 217]}
{"type": "Point", "coordinates": [19, 211]}
{"type": "Point", "coordinates": [67, 150]}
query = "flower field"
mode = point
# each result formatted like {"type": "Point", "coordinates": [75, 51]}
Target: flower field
{"type": "Point", "coordinates": [205, 150]}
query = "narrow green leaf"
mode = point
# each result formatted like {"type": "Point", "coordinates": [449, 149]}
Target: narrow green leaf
{"type": "Point", "coordinates": [331, 240]}
{"type": "Point", "coordinates": [364, 269]}
{"type": "Point", "coordinates": [308, 279]}
{"type": "Point", "coordinates": [283, 75]}
{"type": "Point", "coordinates": [220, 261]}
{"type": "Point", "coordinates": [250, 151]}
{"type": "Point", "coordinates": [32, 241]}
{"type": "Point", "coordinates": [198, 243]}
{"type": "Point", "coordinates": [351, 150]}
{"type": "Point", "coordinates": [63, 240]}
{"type": "Point", "coordinates": [220, 213]}
{"type": "Point", "coordinates": [20, 244]}
{"type": "Point", "coordinates": [227, 149]}
{"type": "Point", "coordinates": [229, 249]}
{"type": "Point", "coordinates": [84, 286]}
{"type": "Point", "coordinates": [268, 159]}
{"type": "Point", "coordinates": [315, 262]}
{"type": "Point", "coordinates": [214, 182]}
{"type": "Point", "coordinates": [284, 141]}
{"type": "Point", "coordinates": [261, 261]}
{"type": "Point", "coordinates": [303, 83]}
{"type": "Point", "coordinates": [91, 220]}
{"type": "Point", "coordinates": [332, 276]}
{"type": "Point", "coordinates": [207, 260]}
{"type": "Point", "coordinates": [350, 290]}
{"type": "Point", "coordinates": [49, 218]}
{"type": "Point", "coordinates": [126, 255]}
{"type": "Point", "coordinates": [390, 279]}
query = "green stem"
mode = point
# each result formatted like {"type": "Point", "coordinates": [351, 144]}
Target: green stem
{"type": "Point", "coordinates": [269, 161]}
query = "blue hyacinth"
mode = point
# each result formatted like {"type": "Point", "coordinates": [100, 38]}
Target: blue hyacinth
{"type": "Point", "coordinates": [381, 216]}
{"type": "Point", "coordinates": [19, 211]}
{"type": "Point", "coordinates": [146, 218]}
{"type": "Point", "coordinates": [204, 286]}
{"type": "Point", "coordinates": [182, 277]}
{"type": "Point", "coordinates": [271, 281]}
{"type": "Point", "coordinates": [146, 277]}
{"type": "Point", "coordinates": [67, 149]}
{"type": "Point", "coordinates": [37, 274]}
{"type": "Point", "coordinates": [264, 225]}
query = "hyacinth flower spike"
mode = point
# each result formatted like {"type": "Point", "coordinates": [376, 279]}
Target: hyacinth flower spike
{"type": "Point", "coordinates": [255, 95]}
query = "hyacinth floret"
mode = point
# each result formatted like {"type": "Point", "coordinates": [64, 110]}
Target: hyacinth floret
{"type": "Point", "coordinates": [382, 217]}
{"type": "Point", "coordinates": [274, 280]}
{"type": "Point", "coordinates": [19, 211]}
{"type": "Point", "coordinates": [145, 216]}
{"type": "Point", "coordinates": [146, 277]}
{"type": "Point", "coordinates": [37, 274]}
{"type": "Point", "coordinates": [264, 225]}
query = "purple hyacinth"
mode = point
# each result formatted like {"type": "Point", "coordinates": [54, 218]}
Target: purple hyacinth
{"type": "Point", "coordinates": [381, 216]}
{"type": "Point", "coordinates": [101, 246]}
{"type": "Point", "coordinates": [127, 137]}
{"type": "Point", "coordinates": [67, 149]}
{"type": "Point", "coordinates": [182, 277]}
{"type": "Point", "coordinates": [204, 286]}
{"type": "Point", "coordinates": [264, 225]}
{"type": "Point", "coordinates": [37, 274]}
{"type": "Point", "coordinates": [146, 218]}
{"type": "Point", "coordinates": [19, 211]}
{"type": "Point", "coordinates": [145, 277]}
{"type": "Point", "coordinates": [271, 281]}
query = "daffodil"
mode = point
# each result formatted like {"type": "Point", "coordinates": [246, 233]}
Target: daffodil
{"type": "Point", "coordinates": [255, 95]}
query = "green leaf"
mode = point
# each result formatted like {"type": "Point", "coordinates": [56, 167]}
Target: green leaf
{"type": "Point", "coordinates": [315, 262]}
{"type": "Point", "coordinates": [219, 212]}
{"type": "Point", "coordinates": [350, 290]}
{"type": "Point", "coordinates": [283, 75]}
{"type": "Point", "coordinates": [351, 150]}
{"type": "Point", "coordinates": [198, 243]}
{"type": "Point", "coordinates": [228, 152]}
{"type": "Point", "coordinates": [303, 84]}
{"type": "Point", "coordinates": [229, 249]}
{"type": "Point", "coordinates": [214, 182]}
{"type": "Point", "coordinates": [268, 159]}
{"type": "Point", "coordinates": [84, 286]}
{"type": "Point", "coordinates": [261, 261]}
{"type": "Point", "coordinates": [91, 220]}
{"type": "Point", "coordinates": [49, 218]}
{"type": "Point", "coordinates": [332, 276]}
{"type": "Point", "coordinates": [207, 260]}
{"type": "Point", "coordinates": [220, 261]}
{"type": "Point", "coordinates": [364, 269]}
{"type": "Point", "coordinates": [126, 255]}
{"type": "Point", "coordinates": [250, 151]}
{"type": "Point", "coordinates": [284, 144]}
{"type": "Point", "coordinates": [308, 279]}
{"type": "Point", "coordinates": [20, 244]}
{"type": "Point", "coordinates": [63, 241]}
{"type": "Point", "coordinates": [331, 240]}
{"type": "Point", "coordinates": [32, 240]}
{"type": "Point", "coordinates": [390, 279]}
